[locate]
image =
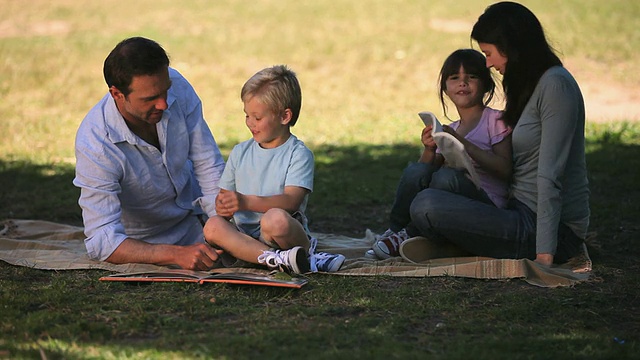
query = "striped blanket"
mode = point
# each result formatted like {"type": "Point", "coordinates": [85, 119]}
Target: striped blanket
{"type": "Point", "coordinates": [53, 246]}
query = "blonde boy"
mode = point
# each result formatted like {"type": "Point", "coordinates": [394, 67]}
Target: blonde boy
{"type": "Point", "coordinates": [265, 186]}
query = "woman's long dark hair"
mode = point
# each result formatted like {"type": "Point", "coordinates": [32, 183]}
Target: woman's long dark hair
{"type": "Point", "coordinates": [517, 34]}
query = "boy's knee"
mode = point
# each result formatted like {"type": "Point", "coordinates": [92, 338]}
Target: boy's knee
{"type": "Point", "coordinates": [212, 226]}
{"type": "Point", "coordinates": [275, 219]}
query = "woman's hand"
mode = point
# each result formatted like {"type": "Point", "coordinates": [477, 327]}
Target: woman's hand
{"type": "Point", "coordinates": [449, 130]}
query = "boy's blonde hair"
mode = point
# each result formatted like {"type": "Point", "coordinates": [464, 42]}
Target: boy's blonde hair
{"type": "Point", "coordinates": [278, 88]}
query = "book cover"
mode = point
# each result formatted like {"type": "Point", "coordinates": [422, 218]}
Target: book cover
{"type": "Point", "coordinates": [451, 148]}
{"type": "Point", "coordinates": [277, 279]}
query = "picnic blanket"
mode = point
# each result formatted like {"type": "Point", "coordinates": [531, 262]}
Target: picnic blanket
{"type": "Point", "coordinates": [53, 246]}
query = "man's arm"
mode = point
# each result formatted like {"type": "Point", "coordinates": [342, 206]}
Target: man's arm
{"type": "Point", "coordinates": [193, 257]}
{"type": "Point", "coordinates": [204, 153]}
{"type": "Point", "coordinates": [97, 176]}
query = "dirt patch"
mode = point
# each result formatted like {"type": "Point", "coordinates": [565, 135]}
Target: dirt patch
{"type": "Point", "coordinates": [9, 29]}
{"type": "Point", "coordinates": [610, 103]}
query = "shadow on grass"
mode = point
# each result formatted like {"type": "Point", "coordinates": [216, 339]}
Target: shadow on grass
{"type": "Point", "coordinates": [353, 191]}
{"type": "Point", "coordinates": [614, 172]}
{"type": "Point", "coordinates": [354, 188]}
{"type": "Point", "coordinates": [35, 191]}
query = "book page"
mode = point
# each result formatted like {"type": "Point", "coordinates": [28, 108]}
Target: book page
{"type": "Point", "coordinates": [177, 275]}
{"type": "Point", "coordinates": [428, 118]}
{"type": "Point", "coordinates": [451, 148]}
{"type": "Point", "coordinates": [227, 275]}
{"type": "Point", "coordinates": [247, 278]}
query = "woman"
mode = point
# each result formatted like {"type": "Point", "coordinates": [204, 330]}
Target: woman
{"type": "Point", "coordinates": [547, 215]}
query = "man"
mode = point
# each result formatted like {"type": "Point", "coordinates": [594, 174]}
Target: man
{"type": "Point", "coordinates": [147, 164]}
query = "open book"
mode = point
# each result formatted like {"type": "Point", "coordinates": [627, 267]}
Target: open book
{"type": "Point", "coordinates": [277, 279]}
{"type": "Point", "coordinates": [451, 148]}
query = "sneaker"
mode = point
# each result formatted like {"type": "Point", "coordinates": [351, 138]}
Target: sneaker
{"type": "Point", "coordinates": [420, 249]}
{"type": "Point", "coordinates": [370, 254]}
{"type": "Point", "coordinates": [293, 260]}
{"type": "Point", "coordinates": [389, 246]}
{"type": "Point", "coordinates": [322, 261]}
{"type": "Point", "coordinates": [385, 234]}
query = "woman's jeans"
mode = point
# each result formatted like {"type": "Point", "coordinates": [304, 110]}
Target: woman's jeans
{"type": "Point", "coordinates": [419, 176]}
{"type": "Point", "coordinates": [484, 229]}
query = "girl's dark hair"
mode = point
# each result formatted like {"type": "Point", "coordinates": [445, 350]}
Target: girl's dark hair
{"type": "Point", "coordinates": [133, 57]}
{"type": "Point", "coordinates": [518, 35]}
{"type": "Point", "coordinates": [474, 63]}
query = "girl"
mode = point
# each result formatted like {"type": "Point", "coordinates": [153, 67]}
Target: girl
{"type": "Point", "coordinates": [547, 215]}
{"type": "Point", "coordinates": [467, 83]}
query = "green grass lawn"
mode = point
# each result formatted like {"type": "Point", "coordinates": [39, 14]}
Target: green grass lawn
{"type": "Point", "coordinates": [70, 314]}
{"type": "Point", "coordinates": [366, 68]}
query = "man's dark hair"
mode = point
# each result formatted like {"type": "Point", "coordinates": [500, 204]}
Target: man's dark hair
{"type": "Point", "coordinates": [133, 57]}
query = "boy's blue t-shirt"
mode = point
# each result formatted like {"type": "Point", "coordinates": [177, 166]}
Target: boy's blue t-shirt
{"type": "Point", "coordinates": [252, 170]}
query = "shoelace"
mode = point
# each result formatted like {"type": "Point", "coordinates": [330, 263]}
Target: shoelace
{"type": "Point", "coordinates": [313, 244]}
{"type": "Point", "coordinates": [393, 244]}
{"type": "Point", "coordinates": [272, 259]}
{"type": "Point", "coordinates": [385, 234]}
{"type": "Point", "coordinates": [319, 258]}
{"type": "Point", "coordinates": [395, 240]}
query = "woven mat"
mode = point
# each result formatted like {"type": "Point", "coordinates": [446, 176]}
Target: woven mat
{"type": "Point", "coordinates": [52, 246]}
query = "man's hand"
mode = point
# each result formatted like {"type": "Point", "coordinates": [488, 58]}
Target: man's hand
{"type": "Point", "coordinates": [200, 256]}
{"type": "Point", "coordinates": [196, 257]}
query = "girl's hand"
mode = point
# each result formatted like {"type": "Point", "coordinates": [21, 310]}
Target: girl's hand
{"type": "Point", "coordinates": [427, 138]}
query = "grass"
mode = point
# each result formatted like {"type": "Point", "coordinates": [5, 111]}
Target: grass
{"type": "Point", "coordinates": [366, 69]}
{"type": "Point", "coordinates": [70, 314]}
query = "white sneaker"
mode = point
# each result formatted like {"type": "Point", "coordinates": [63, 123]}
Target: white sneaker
{"type": "Point", "coordinates": [293, 260]}
{"type": "Point", "coordinates": [322, 261]}
{"type": "Point", "coordinates": [389, 246]}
